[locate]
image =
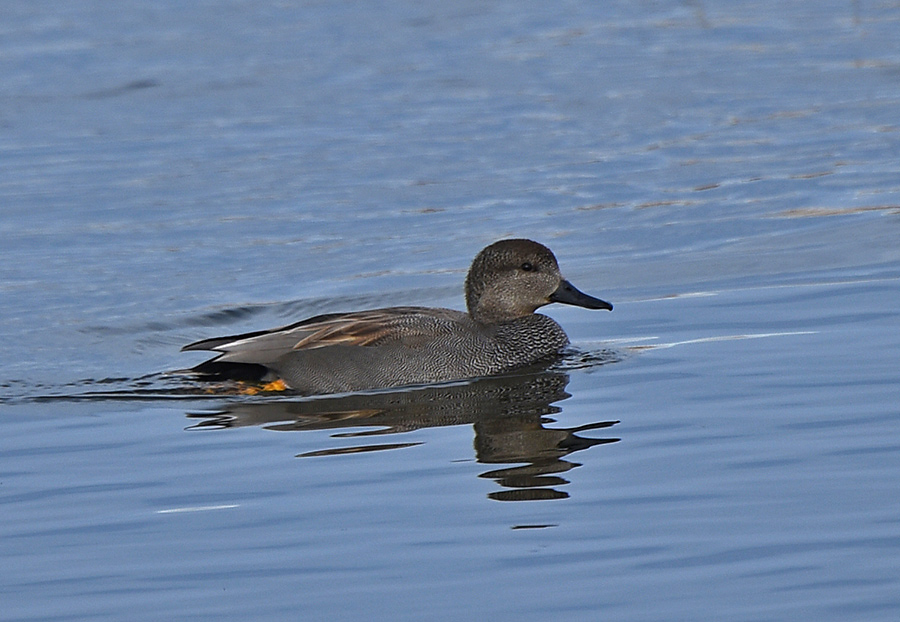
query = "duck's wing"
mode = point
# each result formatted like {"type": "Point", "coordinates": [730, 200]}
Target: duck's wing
{"type": "Point", "coordinates": [361, 328]}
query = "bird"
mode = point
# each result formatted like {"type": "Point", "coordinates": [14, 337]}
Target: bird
{"type": "Point", "coordinates": [402, 346]}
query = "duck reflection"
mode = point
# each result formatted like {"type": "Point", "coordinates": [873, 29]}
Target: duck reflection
{"type": "Point", "coordinates": [509, 415]}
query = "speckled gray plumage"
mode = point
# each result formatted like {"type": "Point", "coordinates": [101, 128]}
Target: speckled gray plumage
{"type": "Point", "coordinates": [424, 348]}
{"type": "Point", "coordinates": [416, 345]}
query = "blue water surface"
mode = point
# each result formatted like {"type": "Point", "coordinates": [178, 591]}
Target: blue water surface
{"type": "Point", "coordinates": [725, 444]}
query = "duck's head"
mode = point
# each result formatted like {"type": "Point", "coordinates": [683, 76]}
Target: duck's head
{"type": "Point", "coordinates": [513, 278]}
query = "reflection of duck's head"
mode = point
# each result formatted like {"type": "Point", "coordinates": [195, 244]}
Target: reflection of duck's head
{"type": "Point", "coordinates": [508, 414]}
{"type": "Point", "coordinates": [542, 450]}
{"type": "Point", "coordinates": [509, 440]}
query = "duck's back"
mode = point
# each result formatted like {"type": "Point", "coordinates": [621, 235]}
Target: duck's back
{"type": "Point", "coordinates": [420, 346]}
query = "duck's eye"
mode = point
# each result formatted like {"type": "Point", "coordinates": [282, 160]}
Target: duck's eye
{"type": "Point", "coordinates": [528, 267]}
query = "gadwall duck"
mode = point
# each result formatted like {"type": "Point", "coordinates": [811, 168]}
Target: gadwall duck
{"type": "Point", "coordinates": [397, 346]}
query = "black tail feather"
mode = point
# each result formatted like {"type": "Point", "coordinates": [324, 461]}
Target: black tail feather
{"type": "Point", "coordinates": [215, 371]}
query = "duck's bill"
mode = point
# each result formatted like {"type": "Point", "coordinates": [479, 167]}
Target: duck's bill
{"type": "Point", "coordinates": [568, 294]}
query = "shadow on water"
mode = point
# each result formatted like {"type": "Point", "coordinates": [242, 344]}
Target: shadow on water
{"type": "Point", "coordinates": [509, 415]}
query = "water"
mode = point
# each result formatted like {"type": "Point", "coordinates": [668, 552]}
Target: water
{"type": "Point", "coordinates": [723, 444]}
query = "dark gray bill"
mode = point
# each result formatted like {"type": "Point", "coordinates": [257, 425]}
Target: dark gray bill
{"type": "Point", "coordinates": [568, 294]}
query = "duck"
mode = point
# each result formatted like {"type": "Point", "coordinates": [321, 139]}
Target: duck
{"type": "Point", "coordinates": [498, 333]}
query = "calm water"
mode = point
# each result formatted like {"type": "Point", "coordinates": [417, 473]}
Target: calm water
{"type": "Point", "coordinates": [724, 445]}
